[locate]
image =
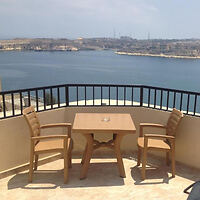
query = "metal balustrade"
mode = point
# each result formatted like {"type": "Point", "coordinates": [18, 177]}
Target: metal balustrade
{"type": "Point", "coordinates": [68, 95]}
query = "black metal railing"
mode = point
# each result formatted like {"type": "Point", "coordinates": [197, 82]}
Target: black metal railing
{"type": "Point", "coordinates": [13, 102]}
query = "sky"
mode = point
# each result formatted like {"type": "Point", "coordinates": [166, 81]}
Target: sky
{"type": "Point", "coordinates": [160, 19]}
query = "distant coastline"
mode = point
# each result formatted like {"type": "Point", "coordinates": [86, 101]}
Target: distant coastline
{"type": "Point", "coordinates": [185, 48]}
{"type": "Point", "coordinates": [156, 55]}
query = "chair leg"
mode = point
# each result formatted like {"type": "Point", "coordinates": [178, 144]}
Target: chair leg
{"type": "Point", "coordinates": [36, 162]}
{"type": "Point", "coordinates": [139, 156]}
{"type": "Point", "coordinates": [70, 158]}
{"type": "Point", "coordinates": [31, 167]}
{"type": "Point", "coordinates": [65, 156]}
{"type": "Point", "coordinates": [167, 158]}
{"type": "Point", "coordinates": [31, 163]}
{"type": "Point", "coordinates": [144, 161]}
{"type": "Point", "coordinates": [173, 162]}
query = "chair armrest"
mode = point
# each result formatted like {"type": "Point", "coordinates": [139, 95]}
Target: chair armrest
{"type": "Point", "coordinates": [159, 136]}
{"type": "Point", "coordinates": [144, 125]}
{"type": "Point", "coordinates": [152, 125]}
{"type": "Point", "coordinates": [49, 137]}
{"type": "Point", "coordinates": [55, 125]}
{"type": "Point", "coordinates": [171, 139]}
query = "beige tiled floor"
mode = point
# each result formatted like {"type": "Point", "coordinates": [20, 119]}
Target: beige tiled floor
{"type": "Point", "coordinates": [102, 182]}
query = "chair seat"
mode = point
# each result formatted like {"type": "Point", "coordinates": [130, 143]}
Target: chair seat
{"type": "Point", "coordinates": [154, 143]}
{"type": "Point", "coordinates": [49, 145]}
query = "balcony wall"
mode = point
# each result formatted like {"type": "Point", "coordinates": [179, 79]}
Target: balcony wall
{"type": "Point", "coordinates": [15, 138]}
{"type": "Point", "coordinates": [14, 134]}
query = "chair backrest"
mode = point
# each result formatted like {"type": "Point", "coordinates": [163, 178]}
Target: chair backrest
{"type": "Point", "coordinates": [32, 120]}
{"type": "Point", "coordinates": [173, 122]}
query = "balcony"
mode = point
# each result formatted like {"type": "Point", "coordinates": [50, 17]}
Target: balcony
{"type": "Point", "coordinates": [145, 104]}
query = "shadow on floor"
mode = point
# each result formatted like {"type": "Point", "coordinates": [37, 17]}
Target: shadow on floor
{"type": "Point", "coordinates": [103, 174]}
{"type": "Point", "coordinates": [154, 175]}
{"type": "Point", "coordinates": [157, 170]}
{"type": "Point", "coordinates": [99, 175]}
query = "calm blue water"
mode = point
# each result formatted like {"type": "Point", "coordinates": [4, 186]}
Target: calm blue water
{"type": "Point", "coordinates": [32, 69]}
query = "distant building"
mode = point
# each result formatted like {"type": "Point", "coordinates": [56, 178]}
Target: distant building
{"type": "Point", "coordinates": [125, 38]}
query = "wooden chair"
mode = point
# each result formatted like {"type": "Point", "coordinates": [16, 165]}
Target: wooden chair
{"type": "Point", "coordinates": [159, 142]}
{"type": "Point", "coordinates": [48, 143]}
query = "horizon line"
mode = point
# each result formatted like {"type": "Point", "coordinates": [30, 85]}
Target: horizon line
{"type": "Point", "coordinates": [70, 38]}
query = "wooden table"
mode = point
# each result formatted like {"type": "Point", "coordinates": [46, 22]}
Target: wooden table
{"type": "Point", "coordinates": [90, 123]}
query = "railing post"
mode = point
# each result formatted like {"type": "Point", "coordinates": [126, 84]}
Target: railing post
{"type": "Point", "coordinates": [67, 95]}
{"type": "Point", "coordinates": [141, 96]}
{"type": "Point", "coordinates": [4, 105]}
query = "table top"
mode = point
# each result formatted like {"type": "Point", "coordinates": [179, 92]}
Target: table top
{"type": "Point", "coordinates": [120, 123]}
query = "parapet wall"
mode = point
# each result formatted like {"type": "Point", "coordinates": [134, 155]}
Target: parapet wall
{"type": "Point", "coordinates": [14, 134]}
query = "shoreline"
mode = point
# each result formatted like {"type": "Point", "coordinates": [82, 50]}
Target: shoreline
{"type": "Point", "coordinates": [155, 55]}
{"type": "Point", "coordinates": [116, 52]}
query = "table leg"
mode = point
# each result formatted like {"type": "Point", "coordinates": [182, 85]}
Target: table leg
{"type": "Point", "coordinates": [88, 155]}
{"type": "Point", "coordinates": [84, 154]}
{"type": "Point", "coordinates": [117, 142]}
